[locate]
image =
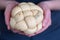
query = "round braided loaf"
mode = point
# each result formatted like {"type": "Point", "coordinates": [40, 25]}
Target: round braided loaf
{"type": "Point", "coordinates": [26, 17]}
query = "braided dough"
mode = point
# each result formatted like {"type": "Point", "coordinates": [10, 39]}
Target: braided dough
{"type": "Point", "coordinates": [26, 17]}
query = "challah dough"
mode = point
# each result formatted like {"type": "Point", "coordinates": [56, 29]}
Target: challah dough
{"type": "Point", "coordinates": [26, 17]}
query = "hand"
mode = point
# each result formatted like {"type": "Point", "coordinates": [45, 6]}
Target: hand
{"type": "Point", "coordinates": [47, 17]}
{"type": "Point", "coordinates": [9, 7]}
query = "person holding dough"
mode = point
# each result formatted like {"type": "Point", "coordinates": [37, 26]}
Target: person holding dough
{"type": "Point", "coordinates": [47, 6]}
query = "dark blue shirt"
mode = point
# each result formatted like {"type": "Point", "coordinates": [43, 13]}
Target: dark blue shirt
{"type": "Point", "coordinates": [34, 1]}
{"type": "Point", "coordinates": [52, 33]}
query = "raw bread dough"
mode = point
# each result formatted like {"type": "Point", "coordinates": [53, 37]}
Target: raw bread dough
{"type": "Point", "coordinates": [26, 17]}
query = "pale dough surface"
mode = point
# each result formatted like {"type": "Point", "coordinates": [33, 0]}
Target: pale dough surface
{"type": "Point", "coordinates": [26, 17]}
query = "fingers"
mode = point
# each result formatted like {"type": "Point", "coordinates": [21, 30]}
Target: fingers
{"type": "Point", "coordinates": [29, 35]}
{"type": "Point", "coordinates": [17, 31]}
{"type": "Point", "coordinates": [47, 13]}
{"type": "Point", "coordinates": [7, 14]}
{"type": "Point", "coordinates": [47, 18]}
{"type": "Point", "coordinates": [46, 24]}
{"type": "Point", "coordinates": [20, 32]}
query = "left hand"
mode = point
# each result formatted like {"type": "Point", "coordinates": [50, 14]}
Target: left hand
{"type": "Point", "coordinates": [47, 18]}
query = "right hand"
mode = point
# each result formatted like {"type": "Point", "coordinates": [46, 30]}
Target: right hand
{"type": "Point", "coordinates": [7, 13]}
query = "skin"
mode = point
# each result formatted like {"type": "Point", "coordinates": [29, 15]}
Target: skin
{"type": "Point", "coordinates": [47, 6]}
{"type": "Point", "coordinates": [53, 5]}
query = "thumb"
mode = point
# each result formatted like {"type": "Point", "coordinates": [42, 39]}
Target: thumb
{"type": "Point", "coordinates": [7, 13]}
{"type": "Point", "coordinates": [7, 16]}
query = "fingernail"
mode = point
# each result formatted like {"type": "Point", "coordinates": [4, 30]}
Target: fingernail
{"type": "Point", "coordinates": [8, 27]}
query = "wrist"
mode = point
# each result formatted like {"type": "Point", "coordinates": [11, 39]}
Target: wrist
{"type": "Point", "coordinates": [44, 6]}
{"type": "Point", "coordinates": [4, 4]}
{"type": "Point", "coordinates": [52, 5]}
